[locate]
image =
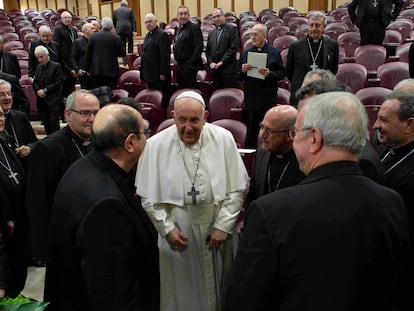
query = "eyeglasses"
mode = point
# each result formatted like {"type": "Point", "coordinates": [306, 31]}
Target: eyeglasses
{"type": "Point", "coordinates": [270, 131]}
{"type": "Point", "coordinates": [85, 113]}
{"type": "Point", "coordinates": [217, 16]}
{"type": "Point", "coordinates": [6, 94]}
{"type": "Point", "coordinates": [293, 132]}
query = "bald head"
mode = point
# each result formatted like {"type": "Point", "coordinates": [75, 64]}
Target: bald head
{"type": "Point", "coordinates": [88, 29]}
{"type": "Point", "coordinates": [275, 128]}
{"type": "Point", "coordinates": [113, 123]}
{"type": "Point", "coordinates": [66, 18]}
{"type": "Point", "coordinates": [150, 21]}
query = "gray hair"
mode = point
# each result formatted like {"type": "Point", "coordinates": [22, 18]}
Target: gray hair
{"type": "Point", "coordinates": [2, 81]}
{"type": "Point", "coordinates": [219, 9]}
{"type": "Point", "coordinates": [406, 83]}
{"type": "Point", "coordinates": [71, 99]}
{"type": "Point", "coordinates": [322, 73]}
{"type": "Point", "coordinates": [41, 50]}
{"type": "Point", "coordinates": [340, 117]}
{"type": "Point", "coordinates": [124, 3]}
{"type": "Point", "coordinates": [107, 23]}
{"type": "Point", "coordinates": [406, 99]}
{"type": "Point", "coordinates": [1, 39]}
{"type": "Point", "coordinates": [45, 28]}
{"type": "Point", "coordinates": [316, 15]}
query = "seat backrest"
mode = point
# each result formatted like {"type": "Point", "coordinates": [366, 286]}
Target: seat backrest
{"type": "Point", "coordinates": [352, 74]}
{"type": "Point", "coordinates": [392, 73]}
{"type": "Point", "coordinates": [349, 41]}
{"type": "Point", "coordinates": [284, 42]}
{"type": "Point", "coordinates": [131, 82]}
{"type": "Point", "coordinates": [392, 36]}
{"type": "Point", "coordinates": [150, 96]}
{"type": "Point", "coordinates": [165, 124]}
{"type": "Point", "coordinates": [402, 51]}
{"type": "Point", "coordinates": [370, 56]}
{"type": "Point", "coordinates": [372, 95]}
{"type": "Point", "coordinates": [222, 101]}
{"type": "Point", "coordinates": [283, 96]}
{"type": "Point", "coordinates": [333, 30]}
{"type": "Point", "coordinates": [13, 45]}
{"type": "Point", "coordinates": [403, 26]}
{"type": "Point", "coordinates": [296, 22]}
{"type": "Point", "coordinates": [237, 128]}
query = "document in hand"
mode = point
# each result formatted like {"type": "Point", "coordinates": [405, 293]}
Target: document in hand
{"type": "Point", "coordinates": [257, 60]}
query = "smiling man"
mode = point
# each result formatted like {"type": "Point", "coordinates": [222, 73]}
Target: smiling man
{"type": "Point", "coordinates": [191, 180]}
{"type": "Point", "coordinates": [49, 160]}
{"type": "Point", "coordinates": [275, 165]}
{"type": "Point", "coordinates": [311, 52]}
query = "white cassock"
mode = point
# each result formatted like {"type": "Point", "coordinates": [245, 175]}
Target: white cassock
{"type": "Point", "coordinates": [163, 181]}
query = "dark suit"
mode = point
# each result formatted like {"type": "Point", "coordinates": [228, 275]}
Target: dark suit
{"type": "Point", "coordinates": [101, 248]}
{"type": "Point", "coordinates": [337, 241]}
{"type": "Point", "coordinates": [13, 208]}
{"type": "Point", "coordinates": [49, 78]}
{"type": "Point", "coordinates": [188, 45]}
{"type": "Point", "coordinates": [155, 61]}
{"type": "Point", "coordinates": [372, 22]}
{"type": "Point", "coordinates": [224, 50]}
{"type": "Point", "coordinates": [125, 25]}
{"type": "Point", "coordinates": [64, 36]}
{"type": "Point", "coordinates": [53, 54]}
{"type": "Point", "coordinates": [260, 95]}
{"type": "Point", "coordinates": [299, 61]}
{"type": "Point", "coordinates": [79, 50]}
{"type": "Point", "coordinates": [411, 60]}
{"type": "Point", "coordinates": [103, 67]}
{"type": "Point", "coordinates": [259, 182]}
{"type": "Point", "coordinates": [370, 164]}
{"type": "Point", "coordinates": [48, 161]}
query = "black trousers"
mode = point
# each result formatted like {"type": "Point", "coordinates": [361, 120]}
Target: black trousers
{"type": "Point", "coordinates": [186, 76]}
{"type": "Point", "coordinates": [254, 117]}
{"type": "Point", "coordinates": [49, 114]}
{"type": "Point", "coordinates": [127, 38]}
{"type": "Point", "coordinates": [223, 80]}
{"type": "Point", "coordinates": [372, 32]}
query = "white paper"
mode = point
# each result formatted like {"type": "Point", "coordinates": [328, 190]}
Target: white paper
{"type": "Point", "coordinates": [257, 60]}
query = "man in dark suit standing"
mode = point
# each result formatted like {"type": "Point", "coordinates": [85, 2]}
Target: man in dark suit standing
{"type": "Point", "coordinates": [275, 164]}
{"type": "Point", "coordinates": [372, 18]}
{"type": "Point", "coordinates": [222, 46]}
{"type": "Point", "coordinates": [47, 84]}
{"type": "Point", "coordinates": [188, 45]}
{"type": "Point", "coordinates": [104, 47]}
{"type": "Point", "coordinates": [10, 71]}
{"type": "Point", "coordinates": [309, 53]}
{"type": "Point", "coordinates": [125, 26]}
{"type": "Point", "coordinates": [49, 160]}
{"type": "Point", "coordinates": [395, 126]}
{"type": "Point", "coordinates": [260, 94]}
{"type": "Point", "coordinates": [79, 50]}
{"type": "Point", "coordinates": [101, 248]}
{"type": "Point", "coordinates": [64, 35]}
{"type": "Point", "coordinates": [45, 40]}
{"type": "Point", "coordinates": [155, 58]}
{"type": "Point", "coordinates": [336, 241]}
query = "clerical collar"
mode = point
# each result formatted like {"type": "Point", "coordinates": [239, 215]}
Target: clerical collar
{"type": "Point", "coordinates": [260, 49]}
{"type": "Point", "coordinates": [314, 41]}
{"type": "Point", "coordinates": [78, 139]}
{"type": "Point", "coordinates": [402, 150]}
{"type": "Point", "coordinates": [286, 155]}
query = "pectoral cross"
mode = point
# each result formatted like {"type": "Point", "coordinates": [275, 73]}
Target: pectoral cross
{"type": "Point", "coordinates": [193, 193]}
{"type": "Point", "coordinates": [375, 3]}
{"type": "Point", "coordinates": [13, 175]}
{"type": "Point", "coordinates": [314, 66]}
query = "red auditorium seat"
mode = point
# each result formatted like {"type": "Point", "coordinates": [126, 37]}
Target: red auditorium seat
{"type": "Point", "coordinates": [349, 41]}
{"type": "Point", "coordinates": [13, 45]}
{"type": "Point", "coordinates": [226, 103]}
{"type": "Point", "coordinates": [284, 42]}
{"type": "Point", "coordinates": [371, 57]}
{"type": "Point", "coordinates": [352, 74]}
{"type": "Point", "coordinates": [165, 124]}
{"type": "Point", "coordinates": [333, 30]}
{"type": "Point", "coordinates": [237, 128]}
{"type": "Point", "coordinates": [392, 73]}
{"type": "Point", "coordinates": [131, 82]}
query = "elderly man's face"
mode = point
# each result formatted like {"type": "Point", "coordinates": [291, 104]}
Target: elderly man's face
{"type": "Point", "coordinates": [258, 36]}
{"type": "Point", "coordinates": [218, 18]}
{"type": "Point", "coordinates": [302, 144]}
{"type": "Point", "coordinates": [6, 99]}
{"type": "Point", "coordinates": [82, 125]}
{"type": "Point", "coordinates": [316, 27]}
{"type": "Point", "coordinates": [183, 16]}
{"type": "Point", "coordinates": [189, 119]}
{"type": "Point", "coordinates": [42, 58]}
{"type": "Point", "coordinates": [391, 130]}
{"type": "Point", "coordinates": [274, 136]}
{"type": "Point", "coordinates": [45, 36]}
{"type": "Point", "coordinates": [66, 18]}
{"type": "Point", "coordinates": [150, 23]}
